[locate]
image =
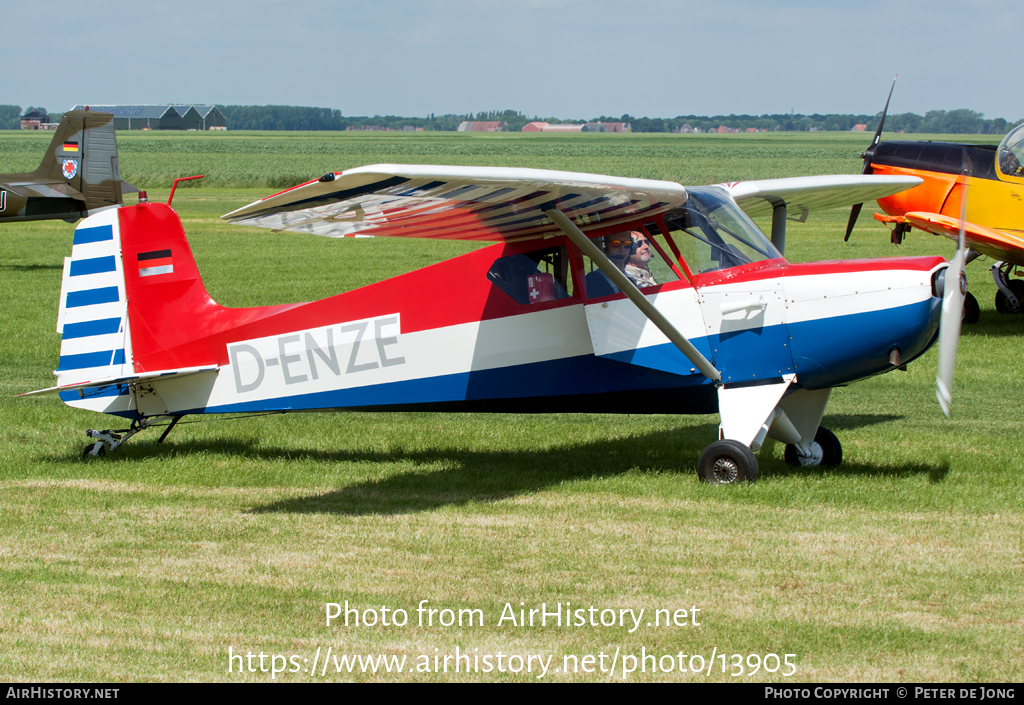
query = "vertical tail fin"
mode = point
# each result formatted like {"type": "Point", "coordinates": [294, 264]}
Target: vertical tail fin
{"type": "Point", "coordinates": [83, 154]}
{"type": "Point", "coordinates": [134, 306]}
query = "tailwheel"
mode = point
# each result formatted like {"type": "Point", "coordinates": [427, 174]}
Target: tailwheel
{"type": "Point", "coordinates": [94, 450]}
{"type": "Point", "coordinates": [824, 450]}
{"type": "Point", "coordinates": [726, 463]}
{"type": "Point", "coordinates": [109, 441]}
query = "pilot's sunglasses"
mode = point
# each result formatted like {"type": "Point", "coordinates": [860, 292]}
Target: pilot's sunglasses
{"type": "Point", "coordinates": [620, 243]}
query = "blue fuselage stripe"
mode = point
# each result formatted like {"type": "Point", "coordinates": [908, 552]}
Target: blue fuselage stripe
{"type": "Point", "coordinates": [580, 375]}
{"type": "Point", "coordinates": [828, 351]}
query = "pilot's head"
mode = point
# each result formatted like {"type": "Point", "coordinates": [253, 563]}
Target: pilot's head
{"type": "Point", "coordinates": [619, 247]}
{"type": "Point", "coordinates": [642, 255]}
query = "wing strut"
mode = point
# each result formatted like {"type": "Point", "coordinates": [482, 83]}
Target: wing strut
{"type": "Point", "coordinates": [629, 289]}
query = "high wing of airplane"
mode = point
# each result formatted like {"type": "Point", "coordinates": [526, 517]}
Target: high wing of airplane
{"type": "Point", "coordinates": [994, 177]}
{"type": "Point", "coordinates": [78, 175]}
{"type": "Point", "coordinates": [547, 319]}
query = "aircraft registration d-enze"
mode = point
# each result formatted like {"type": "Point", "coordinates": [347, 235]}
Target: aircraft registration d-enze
{"type": "Point", "coordinates": [78, 175]}
{"type": "Point", "coordinates": [554, 317]}
{"type": "Point", "coordinates": [994, 217]}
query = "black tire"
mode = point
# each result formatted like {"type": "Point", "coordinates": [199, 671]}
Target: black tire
{"type": "Point", "coordinates": [87, 453]}
{"type": "Point", "coordinates": [971, 312]}
{"type": "Point", "coordinates": [1003, 306]}
{"type": "Point", "coordinates": [727, 463]}
{"type": "Point", "coordinates": [831, 450]}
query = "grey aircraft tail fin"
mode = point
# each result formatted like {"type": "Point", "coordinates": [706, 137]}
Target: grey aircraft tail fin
{"type": "Point", "coordinates": [83, 155]}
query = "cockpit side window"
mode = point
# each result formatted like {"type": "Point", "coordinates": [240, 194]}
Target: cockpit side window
{"type": "Point", "coordinates": [534, 277]}
{"type": "Point", "coordinates": [1011, 152]}
{"type": "Point", "coordinates": [713, 233]}
{"type": "Point", "coordinates": [636, 253]}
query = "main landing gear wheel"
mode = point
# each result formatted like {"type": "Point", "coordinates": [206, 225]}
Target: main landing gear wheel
{"type": "Point", "coordinates": [824, 450]}
{"type": "Point", "coordinates": [726, 463]}
{"type": "Point", "coordinates": [1003, 305]}
{"type": "Point", "coordinates": [971, 312]}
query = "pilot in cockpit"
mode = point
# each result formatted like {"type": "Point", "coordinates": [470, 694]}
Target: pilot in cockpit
{"type": "Point", "coordinates": [638, 267]}
{"type": "Point", "coordinates": [618, 247]}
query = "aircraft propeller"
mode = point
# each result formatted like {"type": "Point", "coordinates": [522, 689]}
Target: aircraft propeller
{"type": "Point", "coordinates": [955, 290]}
{"type": "Point", "coordinates": [867, 155]}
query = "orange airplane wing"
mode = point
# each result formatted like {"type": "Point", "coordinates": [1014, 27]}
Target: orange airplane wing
{"type": "Point", "coordinates": [1005, 245]}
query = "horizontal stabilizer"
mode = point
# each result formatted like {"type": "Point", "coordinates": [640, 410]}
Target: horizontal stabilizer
{"type": "Point", "coordinates": [456, 203]}
{"type": "Point", "coordinates": [802, 194]}
{"type": "Point", "coordinates": [127, 379]}
{"type": "Point", "coordinates": [42, 189]}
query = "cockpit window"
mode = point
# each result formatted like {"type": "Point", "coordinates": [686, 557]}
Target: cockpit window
{"type": "Point", "coordinates": [713, 233]}
{"type": "Point", "coordinates": [1011, 152]}
{"type": "Point", "coordinates": [534, 277]}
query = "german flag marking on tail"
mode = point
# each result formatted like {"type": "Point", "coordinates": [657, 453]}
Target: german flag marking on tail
{"type": "Point", "coordinates": [155, 262]}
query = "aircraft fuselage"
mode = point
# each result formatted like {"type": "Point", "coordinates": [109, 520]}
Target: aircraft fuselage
{"type": "Point", "coordinates": [995, 200]}
{"type": "Point", "coordinates": [447, 337]}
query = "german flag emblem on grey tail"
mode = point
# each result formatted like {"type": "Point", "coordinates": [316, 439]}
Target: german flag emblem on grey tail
{"type": "Point", "coordinates": [155, 262]}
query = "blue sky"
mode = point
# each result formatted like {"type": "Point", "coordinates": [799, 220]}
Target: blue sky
{"type": "Point", "coordinates": [561, 58]}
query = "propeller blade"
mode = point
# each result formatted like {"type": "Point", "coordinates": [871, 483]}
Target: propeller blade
{"type": "Point", "coordinates": [952, 312]}
{"type": "Point", "coordinates": [866, 169]}
{"type": "Point", "coordinates": [854, 212]}
{"type": "Point", "coordinates": [881, 123]}
{"type": "Point", "coordinates": [949, 331]}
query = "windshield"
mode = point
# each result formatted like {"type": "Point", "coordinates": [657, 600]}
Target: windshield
{"type": "Point", "coordinates": [718, 235]}
{"type": "Point", "coordinates": [1011, 152]}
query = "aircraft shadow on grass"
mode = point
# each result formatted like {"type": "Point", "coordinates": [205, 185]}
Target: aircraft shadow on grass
{"type": "Point", "coordinates": [492, 475]}
{"type": "Point", "coordinates": [30, 267]}
{"type": "Point", "coordinates": [489, 476]}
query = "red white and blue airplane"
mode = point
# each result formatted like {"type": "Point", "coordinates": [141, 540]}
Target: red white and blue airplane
{"type": "Point", "coordinates": [547, 320]}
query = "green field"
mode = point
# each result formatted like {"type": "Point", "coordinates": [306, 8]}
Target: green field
{"type": "Point", "coordinates": [163, 560]}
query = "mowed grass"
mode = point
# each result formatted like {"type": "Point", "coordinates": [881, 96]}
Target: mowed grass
{"type": "Point", "coordinates": [904, 564]}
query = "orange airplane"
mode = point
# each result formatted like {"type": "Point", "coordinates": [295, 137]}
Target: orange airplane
{"type": "Point", "coordinates": [994, 221]}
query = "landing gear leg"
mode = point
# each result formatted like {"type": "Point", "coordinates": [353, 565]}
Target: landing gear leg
{"type": "Point", "coordinates": [1010, 297]}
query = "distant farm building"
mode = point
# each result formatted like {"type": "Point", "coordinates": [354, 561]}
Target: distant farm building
{"type": "Point", "coordinates": [562, 128]}
{"type": "Point", "coordinates": [36, 120]}
{"type": "Point", "coordinates": [163, 117]}
{"type": "Point", "coordinates": [491, 126]}
{"type": "Point", "coordinates": [588, 127]}
{"type": "Point", "coordinates": [859, 128]}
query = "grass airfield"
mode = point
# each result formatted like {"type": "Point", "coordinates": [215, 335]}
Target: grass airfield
{"type": "Point", "coordinates": [154, 564]}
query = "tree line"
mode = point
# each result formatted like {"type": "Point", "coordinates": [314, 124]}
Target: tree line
{"type": "Point", "coordinates": [290, 117]}
{"type": "Point", "coordinates": [962, 121]}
